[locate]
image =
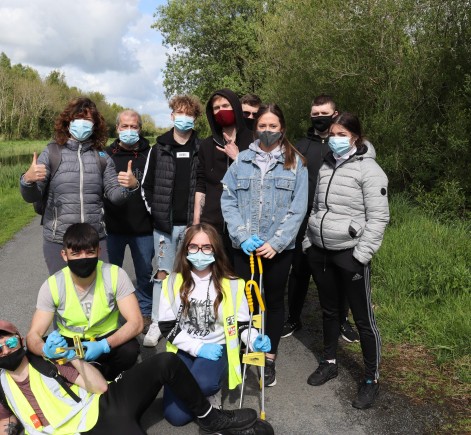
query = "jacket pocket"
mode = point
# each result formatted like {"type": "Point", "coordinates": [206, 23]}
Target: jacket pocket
{"type": "Point", "coordinates": [242, 191]}
{"type": "Point", "coordinates": [284, 191]}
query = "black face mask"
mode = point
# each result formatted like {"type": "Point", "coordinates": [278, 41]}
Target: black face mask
{"type": "Point", "coordinates": [322, 123]}
{"type": "Point", "coordinates": [249, 122]}
{"type": "Point", "coordinates": [83, 267]}
{"type": "Point", "coordinates": [13, 360]}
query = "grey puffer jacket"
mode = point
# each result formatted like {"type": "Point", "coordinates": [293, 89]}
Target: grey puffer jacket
{"type": "Point", "coordinates": [75, 193]}
{"type": "Point", "coordinates": [350, 208]}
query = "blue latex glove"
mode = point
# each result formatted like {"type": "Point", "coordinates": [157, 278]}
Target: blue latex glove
{"type": "Point", "coordinates": [252, 243]}
{"type": "Point", "coordinates": [262, 343]}
{"type": "Point", "coordinates": [53, 341]}
{"type": "Point", "coordinates": [95, 349]}
{"type": "Point", "coordinates": [210, 351]}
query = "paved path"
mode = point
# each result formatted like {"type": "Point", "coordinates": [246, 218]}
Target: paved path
{"type": "Point", "coordinates": [292, 406]}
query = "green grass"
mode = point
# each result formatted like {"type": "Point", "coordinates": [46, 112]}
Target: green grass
{"type": "Point", "coordinates": [21, 147]}
{"type": "Point", "coordinates": [422, 283]}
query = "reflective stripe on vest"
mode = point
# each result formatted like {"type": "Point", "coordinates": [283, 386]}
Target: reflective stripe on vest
{"type": "Point", "coordinates": [65, 416]}
{"type": "Point", "coordinates": [71, 320]}
{"type": "Point", "coordinates": [234, 288]}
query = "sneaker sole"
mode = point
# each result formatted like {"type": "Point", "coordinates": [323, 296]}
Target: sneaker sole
{"type": "Point", "coordinates": [324, 381]}
{"type": "Point", "coordinates": [216, 432]}
{"type": "Point", "coordinates": [348, 340]}
{"type": "Point", "coordinates": [147, 344]}
{"type": "Point", "coordinates": [291, 332]}
{"type": "Point", "coordinates": [272, 384]}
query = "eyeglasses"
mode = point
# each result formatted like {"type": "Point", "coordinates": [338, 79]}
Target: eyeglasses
{"type": "Point", "coordinates": [205, 249]}
{"type": "Point", "coordinates": [247, 114]}
{"type": "Point", "coordinates": [11, 343]}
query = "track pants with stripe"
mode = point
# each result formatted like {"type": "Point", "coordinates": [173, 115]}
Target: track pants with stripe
{"type": "Point", "coordinates": [338, 273]}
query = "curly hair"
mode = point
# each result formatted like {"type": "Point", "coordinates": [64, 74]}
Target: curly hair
{"type": "Point", "coordinates": [79, 108]}
{"type": "Point", "coordinates": [189, 104]}
{"type": "Point", "coordinates": [220, 269]}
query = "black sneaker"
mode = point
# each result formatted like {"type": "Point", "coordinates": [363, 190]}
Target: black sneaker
{"type": "Point", "coordinates": [367, 393]}
{"type": "Point", "coordinates": [323, 373]}
{"type": "Point", "coordinates": [270, 373]}
{"type": "Point", "coordinates": [348, 333]}
{"type": "Point", "coordinates": [260, 427]}
{"type": "Point", "coordinates": [219, 419]}
{"type": "Point", "coordinates": [289, 327]}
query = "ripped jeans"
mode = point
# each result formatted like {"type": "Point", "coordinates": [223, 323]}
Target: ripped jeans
{"type": "Point", "coordinates": [165, 246]}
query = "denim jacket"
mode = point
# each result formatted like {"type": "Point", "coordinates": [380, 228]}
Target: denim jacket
{"type": "Point", "coordinates": [273, 211]}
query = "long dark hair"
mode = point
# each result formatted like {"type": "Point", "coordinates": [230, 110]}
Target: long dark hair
{"type": "Point", "coordinates": [79, 108]}
{"type": "Point", "coordinates": [290, 150]}
{"type": "Point", "coordinates": [350, 122]}
{"type": "Point", "coordinates": [220, 269]}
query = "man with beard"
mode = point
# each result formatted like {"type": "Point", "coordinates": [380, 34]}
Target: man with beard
{"type": "Point", "coordinates": [86, 298]}
{"type": "Point", "coordinates": [78, 398]}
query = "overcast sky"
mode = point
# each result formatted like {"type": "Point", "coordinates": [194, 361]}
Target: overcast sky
{"type": "Point", "coordinates": [99, 45]}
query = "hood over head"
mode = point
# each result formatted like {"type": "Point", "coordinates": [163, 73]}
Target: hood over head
{"type": "Point", "coordinates": [216, 129]}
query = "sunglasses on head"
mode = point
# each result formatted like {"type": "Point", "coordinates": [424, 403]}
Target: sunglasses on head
{"type": "Point", "coordinates": [247, 114]}
{"type": "Point", "coordinates": [11, 343]}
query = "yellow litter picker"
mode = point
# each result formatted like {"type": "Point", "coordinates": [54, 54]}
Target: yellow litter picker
{"type": "Point", "coordinates": [257, 321]}
{"type": "Point", "coordinates": [77, 347]}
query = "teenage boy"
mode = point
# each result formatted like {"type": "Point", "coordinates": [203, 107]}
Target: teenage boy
{"type": "Point", "coordinates": [169, 191]}
{"type": "Point", "coordinates": [86, 299]}
{"type": "Point", "coordinates": [229, 135]}
{"type": "Point", "coordinates": [250, 105]}
{"type": "Point", "coordinates": [313, 147]}
{"type": "Point", "coordinates": [79, 400]}
{"type": "Point", "coordinates": [129, 224]}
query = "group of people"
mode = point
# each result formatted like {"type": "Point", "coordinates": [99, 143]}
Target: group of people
{"type": "Point", "coordinates": [198, 209]}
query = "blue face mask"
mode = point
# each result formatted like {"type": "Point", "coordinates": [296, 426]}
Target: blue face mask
{"type": "Point", "coordinates": [129, 136]}
{"type": "Point", "coordinates": [339, 145]}
{"type": "Point", "coordinates": [200, 261]}
{"type": "Point", "coordinates": [184, 123]}
{"type": "Point", "coordinates": [81, 129]}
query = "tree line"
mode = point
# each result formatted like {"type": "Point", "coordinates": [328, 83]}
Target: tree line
{"type": "Point", "coordinates": [403, 66]}
{"type": "Point", "coordinates": [29, 104]}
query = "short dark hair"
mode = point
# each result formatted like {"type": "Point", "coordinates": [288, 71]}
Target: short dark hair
{"type": "Point", "coordinates": [251, 100]}
{"type": "Point", "coordinates": [81, 236]}
{"type": "Point", "coordinates": [323, 99]}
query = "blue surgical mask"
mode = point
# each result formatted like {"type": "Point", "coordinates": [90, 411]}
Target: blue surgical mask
{"type": "Point", "coordinates": [184, 123]}
{"type": "Point", "coordinates": [200, 261]}
{"type": "Point", "coordinates": [81, 129]}
{"type": "Point", "coordinates": [339, 145]}
{"type": "Point", "coordinates": [129, 136]}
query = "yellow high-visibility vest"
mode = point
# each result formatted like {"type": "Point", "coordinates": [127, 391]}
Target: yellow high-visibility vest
{"type": "Point", "coordinates": [233, 291]}
{"type": "Point", "coordinates": [64, 414]}
{"type": "Point", "coordinates": [71, 320]}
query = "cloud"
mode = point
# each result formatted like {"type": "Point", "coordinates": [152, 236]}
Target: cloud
{"type": "Point", "coordinates": [100, 45]}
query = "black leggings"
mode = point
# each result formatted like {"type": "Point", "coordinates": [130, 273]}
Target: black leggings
{"type": "Point", "coordinates": [128, 397]}
{"type": "Point", "coordinates": [335, 273]}
{"type": "Point", "coordinates": [275, 276]}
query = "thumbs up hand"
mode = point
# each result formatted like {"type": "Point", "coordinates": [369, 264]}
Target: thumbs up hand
{"type": "Point", "coordinates": [36, 172]}
{"type": "Point", "coordinates": [127, 179]}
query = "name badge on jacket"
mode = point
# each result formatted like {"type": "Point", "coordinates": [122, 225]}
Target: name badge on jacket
{"type": "Point", "coordinates": [183, 155]}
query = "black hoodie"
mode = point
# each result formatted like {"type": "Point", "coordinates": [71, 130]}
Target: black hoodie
{"type": "Point", "coordinates": [130, 218]}
{"type": "Point", "coordinates": [213, 163]}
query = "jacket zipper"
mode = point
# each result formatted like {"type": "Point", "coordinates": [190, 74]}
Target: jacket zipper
{"type": "Point", "coordinates": [82, 217]}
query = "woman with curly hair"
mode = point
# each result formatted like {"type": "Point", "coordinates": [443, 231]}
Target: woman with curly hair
{"type": "Point", "coordinates": [71, 176]}
{"type": "Point", "coordinates": [202, 313]}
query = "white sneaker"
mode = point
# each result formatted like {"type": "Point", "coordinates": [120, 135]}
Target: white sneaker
{"type": "Point", "coordinates": [152, 337]}
{"type": "Point", "coordinates": [216, 400]}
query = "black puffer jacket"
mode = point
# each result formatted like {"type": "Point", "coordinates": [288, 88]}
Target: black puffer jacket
{"type": "Point", "coordinates": [130, 218]}
{"type": "Point", "coordinates": [159, 181]}
{"type": "Point", "coordinates": [213, 163]}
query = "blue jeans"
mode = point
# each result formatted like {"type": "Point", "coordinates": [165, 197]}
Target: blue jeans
{"type": "Point", "coordinates": [209, 376]}
{"type": "Point", "coordinates": [142, 252]}
{"type": "Point", "coordinates": [166, 246]}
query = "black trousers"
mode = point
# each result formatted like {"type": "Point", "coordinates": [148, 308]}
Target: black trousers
{"type": "Point", "coordinates": [298, 282]}
{"type": "Point", "coordinates": [275, 276]}
{"type": "Point", "coordinates": [335, 273]}
{"type": "Point", "coordinates": [119, 359]}
{"type": "Point", "coordinates": [122, 406]}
